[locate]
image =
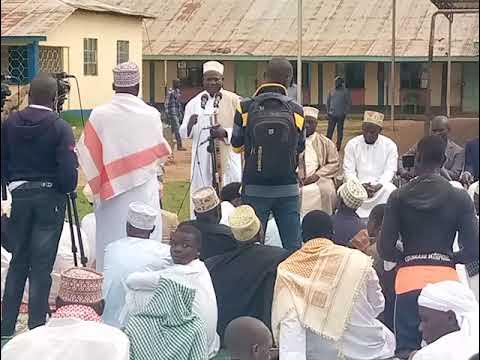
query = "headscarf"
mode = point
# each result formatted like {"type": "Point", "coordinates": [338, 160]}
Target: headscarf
{"type": "Point", "coordinates": [453, 296]}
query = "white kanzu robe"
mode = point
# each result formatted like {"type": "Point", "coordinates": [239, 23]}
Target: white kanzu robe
{"type": "Point", "coordinates": [62, 339]}
{"type": "Point", "coordinates": [119, 151]}
{"type": "Point", "coordinates": [201, 168]}
{"type": "Point", "coordinates": [375, 164]}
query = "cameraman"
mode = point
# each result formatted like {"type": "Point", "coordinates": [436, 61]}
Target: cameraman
{"type": "Point", "coordinates": [40, 166]}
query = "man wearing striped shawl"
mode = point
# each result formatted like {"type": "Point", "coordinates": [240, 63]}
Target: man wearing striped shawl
{"type": "Point", "coordinates": [326, 301]}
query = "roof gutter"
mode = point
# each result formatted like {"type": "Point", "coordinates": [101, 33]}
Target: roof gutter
{"type": "Point", "coordinates": [28, 39]}
{"type": "Point", "coordinates": [223, 57]}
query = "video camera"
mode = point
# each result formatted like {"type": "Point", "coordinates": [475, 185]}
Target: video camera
{"type": "Point", "coordinates": [5, 91]}
{"type": "Point", "coordinates": [63, 89]}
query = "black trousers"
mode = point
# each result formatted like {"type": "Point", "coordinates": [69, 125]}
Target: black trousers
{"type": "Point", "coordinates": [175, 124]}
{"type": "Point", "coordinates": [34, 229]}
{"type": "Point", "coordinates": [338, 122]}
{"type": "Point", "coordinates": [407, 321]}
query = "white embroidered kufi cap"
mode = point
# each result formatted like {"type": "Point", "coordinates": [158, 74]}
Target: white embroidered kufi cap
{"type": "Point", "coordinates": [213, 66]}
{"type": "Point", "coordinates": [141, 216]}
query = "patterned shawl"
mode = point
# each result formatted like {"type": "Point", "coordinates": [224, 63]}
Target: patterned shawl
{"type": "Point", "coordinates": [320, 282]}
{"type": "Point", "coordinates": [167, 329]}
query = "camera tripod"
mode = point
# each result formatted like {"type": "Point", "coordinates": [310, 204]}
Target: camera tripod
{"type": "Point", "coordinates": [72, 209]}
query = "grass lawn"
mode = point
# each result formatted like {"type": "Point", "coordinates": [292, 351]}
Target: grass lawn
{"type": "Point", "coordinates": [174, 193]}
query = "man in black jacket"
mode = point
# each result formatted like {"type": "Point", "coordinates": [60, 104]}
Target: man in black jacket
{"type": "Point", "coordinates": [40, 167]}
{"type": "Point", "coordinates": [426, 214]}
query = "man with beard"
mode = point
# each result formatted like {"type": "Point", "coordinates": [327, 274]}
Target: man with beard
{"type": "Point", "coordinates": [197, 126]}
{"type": "Point", "coordinates": [371, 159]}
{"type": "Point", "coordinates": [321, 166]}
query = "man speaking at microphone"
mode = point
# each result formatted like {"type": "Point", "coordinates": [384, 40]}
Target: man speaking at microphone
{"type": "Point", "coordinates": [197, 126]}
{"type": "Point", "coordinates": [40, 167]}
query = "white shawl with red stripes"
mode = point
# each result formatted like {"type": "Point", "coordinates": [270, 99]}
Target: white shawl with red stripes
{"type": "Point", "coordinates": [120, 146]}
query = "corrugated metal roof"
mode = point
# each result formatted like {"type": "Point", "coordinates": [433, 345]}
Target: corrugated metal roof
{"type": "Point", "coordinates": [455, 4]}
{"type": "Point", "coordinates": [39, 17]}
{"type": "Point", "coordinates": [332, 28]}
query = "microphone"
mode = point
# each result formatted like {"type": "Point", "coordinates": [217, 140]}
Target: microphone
{"type": "Point", "coordinates": [62, 75]}
{"type": "Point", "coordinates": [204, 101]}
{"type": "Point", "coordinates": [218, 98]}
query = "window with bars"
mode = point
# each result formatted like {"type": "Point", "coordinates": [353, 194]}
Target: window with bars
{"type": "Point", "coordinates": [123, 49]}
{"type": "Point", "coordinates": [90, 65]}
{"type": "Point", "coordinates": [50, 59]}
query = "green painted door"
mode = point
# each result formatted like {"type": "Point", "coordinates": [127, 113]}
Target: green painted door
{"type": "Point", "coordinates": [245, 78]}
{"type": "Point", "coordinates": [470, 88]}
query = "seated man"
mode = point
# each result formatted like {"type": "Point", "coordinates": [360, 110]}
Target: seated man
{"type": "Point", "coordinates": [327, 299]}
{"type": "Point", "coordinates": [346, 222]}
{"type": "Point", "coordinates": [371, 159]}
{"type": "Point", "coordinates": [365, 241]}
{"type": "Point", "coordinates": [247, 338]}
{"type": "Point", "coordinates": [185, 269]}
{"type": "Point", "coordinates": [454, 154]}
{"type": "Point", "coordinates": [80, 295]}
{"type": "Point", "coordinates": [231, 198]}
{"type": "Point", "coordinates": [167, 327]}
{"type": "Point", "coordinates": [471, 170]}
{"type": "Point", "coordinates": [244, 277]}
{"type": "Point", "coordinates": [75, 330]}
{"type": "Point", "coordinates": [426, 214]}
{"type": "Point", "coordinates": [136, 252]}
{"type": "Point", "coordinates": [448, 321]}
{"type": "Point", "coordinates": [217, 238]}
{"type": "Point", "coordinates": [321, 166]}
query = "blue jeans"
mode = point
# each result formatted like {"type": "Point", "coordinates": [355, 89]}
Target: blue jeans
{"type": "Point", "coordinates": [286, 211]}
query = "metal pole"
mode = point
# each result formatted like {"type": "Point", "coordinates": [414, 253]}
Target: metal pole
{"type": "Point", "coordinates": [449, 64]}
{"type": "Point", "coordinates": [428, 102]}
{"type": "Point", "coordinates": [392, 70]}
{"type": "Point", "coordinates": [299, 56]}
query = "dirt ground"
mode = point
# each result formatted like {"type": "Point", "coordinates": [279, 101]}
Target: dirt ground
{"type": "Point", "coordinates": [406, 134]}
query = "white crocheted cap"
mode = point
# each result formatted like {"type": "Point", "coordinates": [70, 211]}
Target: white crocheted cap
{"type": "Point", "coordinates": [244, 223]}
{"type": "Point", "coordinates": [141, 216]}
{"type": "Point", "coordinates": [213, 66]}
{"type": "Point", "coordinates": [353, 194]}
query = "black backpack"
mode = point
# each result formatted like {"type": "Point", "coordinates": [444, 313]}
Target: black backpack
{"type": "Point", "coordinates": [271, 138]}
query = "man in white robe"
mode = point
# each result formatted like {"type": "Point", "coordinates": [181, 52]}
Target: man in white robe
{"type": "Point", "coordinates": [118, 152]}
{"type": "Point", "coordinates": [197, 123]}
{"type": "Point", "coordinates": [321, 167]}
{"type": "Point", "coordinates": [372, 159]}
{"type": "Point", "coordinates": [186, 269]}
{"type": "Point", "coordinates": [449, 322]}
{"type": "Point", "coordinates": [327, 299]}
{"type": "Point", "coordinates": [62, 339]}
{"type": "Point", "coordinates": [136, 252]}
